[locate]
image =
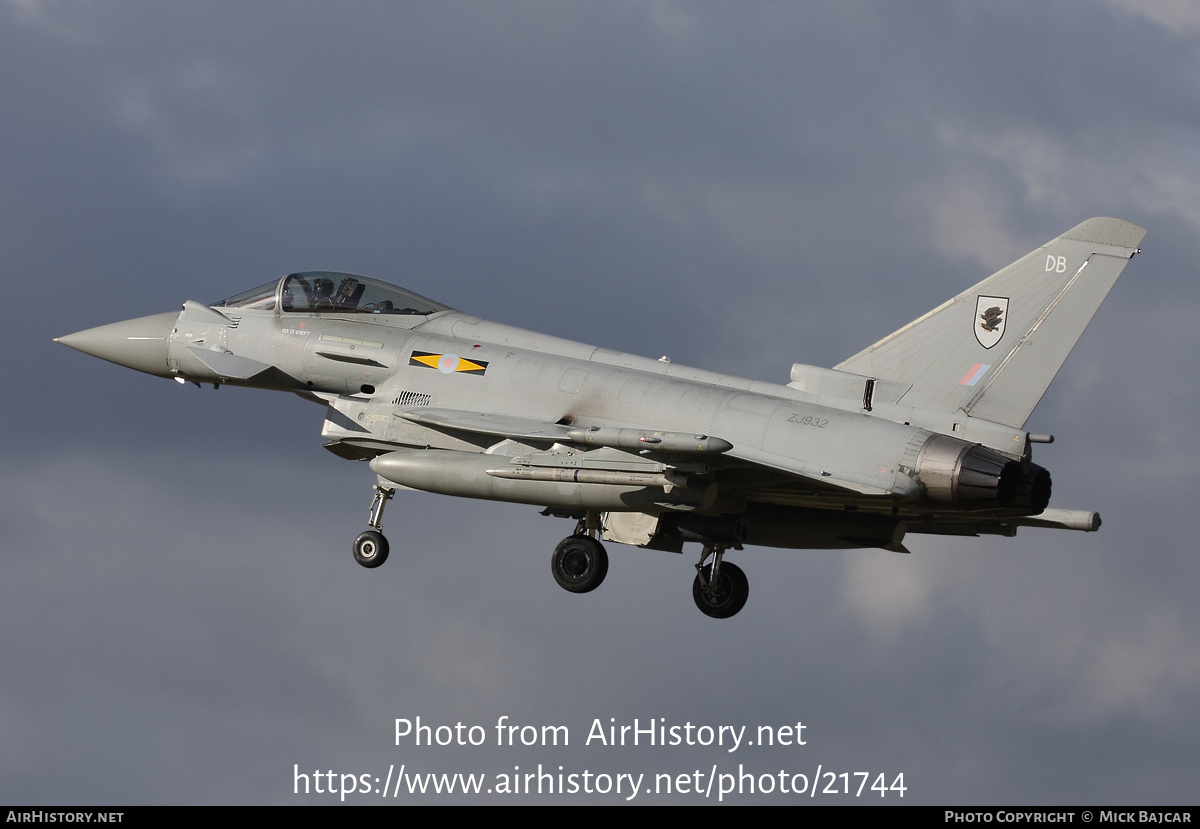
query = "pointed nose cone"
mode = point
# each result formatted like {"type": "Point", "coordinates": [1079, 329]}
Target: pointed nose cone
{"type": "Point", "coordinates": [140, 344]}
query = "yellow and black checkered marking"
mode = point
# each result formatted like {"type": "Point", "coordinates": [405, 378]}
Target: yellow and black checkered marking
{"type": "Point", "coordinates": [447, 363]}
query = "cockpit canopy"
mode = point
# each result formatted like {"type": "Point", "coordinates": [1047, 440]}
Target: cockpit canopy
{"type": "Point", "coordinates": [316, 292]}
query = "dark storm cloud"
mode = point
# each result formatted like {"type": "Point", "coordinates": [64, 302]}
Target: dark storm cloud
{"type": "Point", "coordinates": [740, 187]}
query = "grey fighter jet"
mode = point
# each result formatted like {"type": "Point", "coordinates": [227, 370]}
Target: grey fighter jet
{"type": "Point", "coordinates": [922, 432]}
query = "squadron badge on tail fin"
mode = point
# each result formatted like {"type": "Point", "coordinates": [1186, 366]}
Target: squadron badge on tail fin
{"type": "Point", "coordinates": [991, 313]}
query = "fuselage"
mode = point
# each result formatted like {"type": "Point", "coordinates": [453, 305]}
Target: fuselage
{"type": "Point", "coordinates": [399, 383]}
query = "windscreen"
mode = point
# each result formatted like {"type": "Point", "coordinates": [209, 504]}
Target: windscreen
{"type": "Point", "coordinates": [261, 298]}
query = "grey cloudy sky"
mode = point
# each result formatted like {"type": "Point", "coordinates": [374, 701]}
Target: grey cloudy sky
{"type": "Point", "coordinates": [740, 186]}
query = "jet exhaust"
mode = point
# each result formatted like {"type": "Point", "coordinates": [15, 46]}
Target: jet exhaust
{"type": "Point", "coordinates": [970, 477]}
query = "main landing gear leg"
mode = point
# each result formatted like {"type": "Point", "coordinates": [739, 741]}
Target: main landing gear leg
{"type": "Point", "coordinates": [579, 562]}
{"type": "Point", "coordinates": [721, 588]}
{"type": "Point", "coordinates": [371, 548]}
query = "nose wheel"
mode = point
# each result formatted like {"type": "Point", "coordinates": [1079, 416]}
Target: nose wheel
{"type": "Point", "coordinates": [371, 547]}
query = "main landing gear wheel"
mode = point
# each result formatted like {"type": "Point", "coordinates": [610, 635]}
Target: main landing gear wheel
{"type": "Point", "coordinates": [726, 596]}
{"type": "Point", "coordinates": [579, 564]}
{"type": "Point", "coordinates": [370, 549]}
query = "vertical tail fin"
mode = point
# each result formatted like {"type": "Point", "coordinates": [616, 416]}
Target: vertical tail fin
{"type": "Point", "coordinates": [993, 349]}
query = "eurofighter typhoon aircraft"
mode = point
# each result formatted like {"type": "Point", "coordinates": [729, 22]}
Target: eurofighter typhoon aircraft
{"type": "Point", "coordinates": [922, 432]}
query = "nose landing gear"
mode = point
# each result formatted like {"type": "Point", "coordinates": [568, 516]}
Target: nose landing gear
{"type": "Point", "coordinates": [371, 547]}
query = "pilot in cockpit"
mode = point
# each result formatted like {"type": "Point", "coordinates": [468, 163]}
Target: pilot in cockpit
{"type": "Point", "coordinates": [322, 294]}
